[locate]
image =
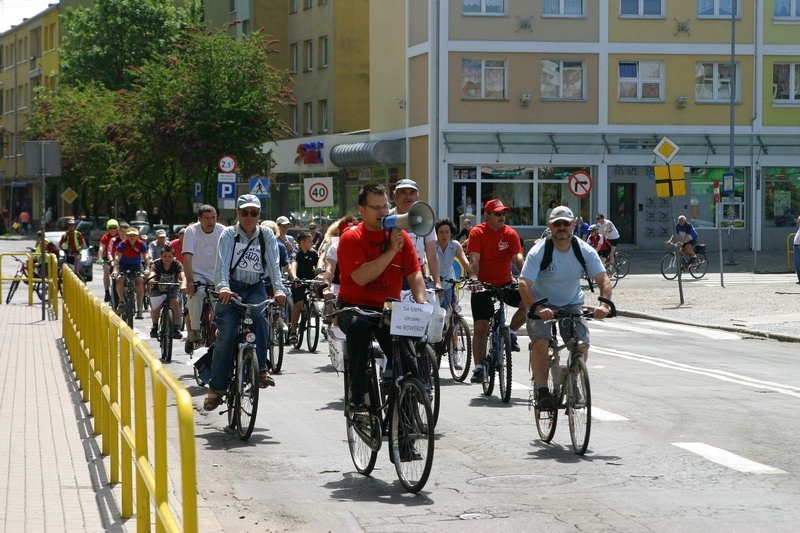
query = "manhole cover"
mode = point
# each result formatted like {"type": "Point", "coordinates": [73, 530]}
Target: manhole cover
{"type": "Point", "coordinates": [523, 480]}
{"type": "Point", "coordinates": [475, 516]}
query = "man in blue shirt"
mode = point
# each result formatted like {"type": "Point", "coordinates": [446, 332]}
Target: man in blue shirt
{"type": "Point", "coordinates": [687, 236]}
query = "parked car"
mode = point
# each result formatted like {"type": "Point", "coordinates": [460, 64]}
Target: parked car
{"type": "Point", "coordinates": [87, 262]}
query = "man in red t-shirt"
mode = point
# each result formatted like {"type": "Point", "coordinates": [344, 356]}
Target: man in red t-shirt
{"type": "Point", "coordinates": [492, 247]}
{"type": "Point", "coordinates": [372, 264]}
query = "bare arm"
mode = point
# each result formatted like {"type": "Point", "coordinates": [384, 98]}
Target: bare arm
{"type": "Point", "coordinates": [604, 284]}
{"type": "Point", "coordinates": [417, 286]}
{"type": "Point", "coordinates": [518, 261]}
{"type": "Point", "coordinates": [474, 263]}
{"type": "Point", "coordinates": [433, 263]}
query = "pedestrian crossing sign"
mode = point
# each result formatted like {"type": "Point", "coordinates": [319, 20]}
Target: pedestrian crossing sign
{"type": "Point", "coordinates": [259, 187]}
{"type": "Point", "coordinates": [670, 181]}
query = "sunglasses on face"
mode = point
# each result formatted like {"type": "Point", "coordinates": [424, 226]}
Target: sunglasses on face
{"type": "Point", "coordinates": [499, 214]}
{"type": "Point", "coordinates": [249, 213]}
{"type": "Point", "coordinates": [561, 223]}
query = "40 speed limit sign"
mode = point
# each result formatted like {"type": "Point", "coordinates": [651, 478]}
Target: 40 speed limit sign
{"type": "Point", "coordinates": [319, 192]}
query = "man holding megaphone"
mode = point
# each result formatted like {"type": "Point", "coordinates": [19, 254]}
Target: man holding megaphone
{"type": "Point", "coordinates": [373, 262]}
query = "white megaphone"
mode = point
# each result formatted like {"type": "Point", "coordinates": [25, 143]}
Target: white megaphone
{"type": "Point", "coordinates": [419, 219]}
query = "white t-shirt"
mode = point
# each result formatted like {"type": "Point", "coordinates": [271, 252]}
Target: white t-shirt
{"type": "Point", "coordinates": [610, 230]}
{"type": "Point", "coordinates": [203, 248]}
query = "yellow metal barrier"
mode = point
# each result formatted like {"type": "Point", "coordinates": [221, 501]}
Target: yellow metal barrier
{"type": "Point", "coordinates": [789, 249]}
{"type": "Point", "coordinates": [51, 281]}
{"type": "Point", "coordinates": [102, 349]}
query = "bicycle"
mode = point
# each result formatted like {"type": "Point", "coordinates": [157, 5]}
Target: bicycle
{"type": "Point", "coordinates": [241, 396]}
{"type": "Point", "coordinates": [697, 266]}
{"type": "Point", "coordinates": [22, 276]}
{"type": "Point", "coordinates": [277, 335]}
{"type": "Point", "coordinates": [456, 340]}
{"type": "Point", "coordinates": [568, 382]}
{"type": "Point", "coordinates": [623, 263]}
{"type": "Point", "coordinates": [165, 322]}
{"type": "Point", "coordinates": [398, 400]}
{"type": "Point", "coordinates": [208, 326]}
{"type": "Point", "coordinates": [310, 315]}
{"type": "Point", "coordinates": [128, 303]}
{"type": "Point", "coordinates": [498, 356]}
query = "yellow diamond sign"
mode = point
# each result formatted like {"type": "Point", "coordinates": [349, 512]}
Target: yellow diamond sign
{"type": "Point", "coordinates": [69, 195]}
{"type": "Point", "coordinates": [670, 181]}
{"type": "Point", "coordinates": [666, 149]}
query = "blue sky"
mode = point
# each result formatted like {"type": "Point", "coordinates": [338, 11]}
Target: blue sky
{"type": "Point", "coordinates": [13, 11]}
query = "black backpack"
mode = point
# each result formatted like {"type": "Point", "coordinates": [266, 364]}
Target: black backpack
{"type": "Point", "coordinates": [576, 249]}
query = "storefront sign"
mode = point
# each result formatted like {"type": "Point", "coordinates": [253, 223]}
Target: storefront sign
{"type": "Point", "coordinates": [309, 153]}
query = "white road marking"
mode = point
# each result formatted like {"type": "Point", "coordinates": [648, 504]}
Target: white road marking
{"type": "Point", "coordinates": [706, 332]}
{"type": "Point", "coordinates": [606, 416]}
{"type": "Point", "coordinates": [726, 458]}
{"type": "Point", "coordinates": [628, 327]}
{"type": "Point", "coordinates": [708, 372]}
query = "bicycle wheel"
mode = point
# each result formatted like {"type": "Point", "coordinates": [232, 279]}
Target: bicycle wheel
{"type": "Point", "coordinates": [411, 435]}
{"type": "Point", "coordinates": [165, 332]}
{"type": "Point", "coordinates": [247, 395]}
{"type": "Point", "coordinates": [364, 434]}
{"type": "Point", "coordinates": [276, 345]}
{"type": "Point", "coordinates": [579, 406]}
{"type": "Point", "coordinates": [459, 350]}
{"type": "Point", "coordinates": [699, 267]}
{"type": "Point", "coordinates": [546, 420]}
{"type": "Point", "coordinates": [488, 370]}
{"type": "Point", "coordinates": [429, 377]}
{"type": "Point", "coordinates": [504, 368]}
{"type": "Point", "coordinates": [302, 323]}
{"type": "Point", "coordinates": [230, 401]}
{"type": "Point", "coordinates": [668, 266]}
{"type": "Point", "coordinates": [127, 310]}
{"type": "Point", "coordinates": [623, 263]}
{"type": "Point", "coordinates": [312, 327]}
{"type": "Point", "coordinates": [613, 274]}
{"type": "Point", "coordinates": [12, 289]}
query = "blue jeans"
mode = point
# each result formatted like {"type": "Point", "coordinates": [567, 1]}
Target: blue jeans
{"type": "Point", "coordinates": [797, 261]}
{"type": "Point", "coordinates": [228, 316]}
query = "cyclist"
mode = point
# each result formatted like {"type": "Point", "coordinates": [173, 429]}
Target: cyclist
{"type": "Point", "coordinates": [131, 256]}
{"type": "Point", "coordinates": [611, 233]}
{"type": "Point", "coordinates": [305, 261]}
{"type": "Point", "coordinates": [283, 235]}
{"type": "Point", "coordinates": [406, 192]}
{"type": "Point", "coordinates": [598, 241]}
{"type": "Point", "coordinates": [43, 246]}
{"type": "Point", "coordinates": [247, 256]}
{"type": "Point", "coordinates": [200, 245]}
{"type": "Point", "coordinates": [492, 247]}
{"type": "Point", "coordinates": [448, 250]}
{"type": "Point", "coordinates": [687, 236]}
{"type": "Point", "coordinates": [154, 248]}
{"type": "Point", "coordinates": [177, 245]}
{"type": "Point", "coordinates": [560, 283]}
{"type": "Point", "coordinates": [165, 270]}
{"type": "Point", "coordinates": [105, 255]}
{"type": "Point", "coordinates": [72, 243]}
{"type": "Point", "coordinates": [372, 264]}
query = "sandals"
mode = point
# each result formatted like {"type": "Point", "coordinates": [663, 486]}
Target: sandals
{"type": "Point", "coordinates": [213, 400]}
{"type": "Point", "coordinates": [265, 380]}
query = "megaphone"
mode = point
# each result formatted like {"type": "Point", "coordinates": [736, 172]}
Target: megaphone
{"type": "Point", "coordinates": [419, 219]}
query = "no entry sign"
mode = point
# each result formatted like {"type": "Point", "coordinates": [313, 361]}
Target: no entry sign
{"type": "Point", "coordinates": [580, 184]}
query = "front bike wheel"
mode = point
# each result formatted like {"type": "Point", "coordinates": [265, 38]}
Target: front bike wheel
{"type": "Point", "coordinates": [546, 419]}
{"type": "Point", "coordinates": [623, 263]}
{"type": "Point", "coordinates": [276, 345]}
{"type": "Point", "coordinates": [312, 328]}
{"type": "Point", "coordinates": [411, 435]}
{"type": "Point", "coordinates": [12, 289]}
{"type": "Point", "coordinates": [504, 368]}
{"type": "Point", "coordinates": [364, 433]}
{"type": "Point", "coordinates": [459, 350]}
{"type": "Point", "coordinates": [613, 274]}
{"type": "Point", "coordinates": [699, 267]}
{"type": "Point", "coordinates": [429, 376]}
{"type": "Point", "coordinates": [579, 406]}
{"type": "Point", "coordinates": [669, 268]}
{"type": "Point", "coordinates": [488, 370]}
{"type": "Point", "coordinates": [247, 395]}
{"type": "Point", "coordinates": [127, 311]}
{"type": "Point", "coordinates": [302, 324]}
{"type": "Point", "coordinates": [165, 332]}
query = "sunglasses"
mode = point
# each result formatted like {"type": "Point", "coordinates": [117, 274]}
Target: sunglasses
{"type": "Point", "coordinates": [112, 227]}
{"type": "Point", "coordinates": [499, 214]}
{"type": "Point", "coordinates": [561, 223]}
{"type": "Point", "coordinates": [249, 213]}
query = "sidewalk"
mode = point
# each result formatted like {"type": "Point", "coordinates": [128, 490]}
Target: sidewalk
{"type": "Point", "coordinates": [54, 476]}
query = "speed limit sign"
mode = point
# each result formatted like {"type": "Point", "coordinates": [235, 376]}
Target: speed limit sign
{"type": "Point", "coordinates": [227, 163]}
{"type": "Point", "coordinates": [319, 192]}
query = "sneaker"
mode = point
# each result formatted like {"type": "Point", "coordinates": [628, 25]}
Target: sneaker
{"type": "Point", "coordinates": [477, 376]}
{"type": "Point", "coordinates": [107, 297]}
{"type": "Point", "coordinates": [154, 332]}
{"type": "Point", "coordinates": [457, 361]}
{"type": "Point", "coordinates": [139, 316]}
{"type": "Point", "coordinates": [408, 453]}
{"type": "Point", "coordinates": [514, 343]}
{"type": "Point", "coordinates": [544, 400]}
{"type": "Point", "coordinates": [176, 332]}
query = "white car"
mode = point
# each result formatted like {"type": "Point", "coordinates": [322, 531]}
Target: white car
{"type": "Point", "coordinates": [86, 257]}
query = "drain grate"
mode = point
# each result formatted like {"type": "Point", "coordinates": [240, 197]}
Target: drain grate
{"type": "Point", "coordinates": [475, 516]}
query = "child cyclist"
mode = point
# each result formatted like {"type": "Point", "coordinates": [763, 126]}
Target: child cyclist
{"type": "Point", "coordinates": [166, 270]}
{"type": "Point", "coordinates": [301, 268]}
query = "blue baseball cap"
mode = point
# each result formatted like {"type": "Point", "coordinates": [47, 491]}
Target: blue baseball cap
{"type": "Point", "coordinates": [248, 200]}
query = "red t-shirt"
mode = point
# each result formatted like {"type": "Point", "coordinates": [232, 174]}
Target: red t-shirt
{"type": "Point", "coordinates": [497, 248]}
{"type": "Point", "coordinates": [105, 240]}
{"type": "Point", "coordinates": [177, 248]}
{"type": "Point", "coordinates": [358, 246]}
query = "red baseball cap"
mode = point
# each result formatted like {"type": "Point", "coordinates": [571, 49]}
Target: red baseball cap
{"type": "Point", "coordinates": [495, 206]}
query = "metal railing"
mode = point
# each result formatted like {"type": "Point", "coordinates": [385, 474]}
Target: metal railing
{"type": "Point", "coordinates": [102, 349]}
{"type": "Point", "coordinates": [51, 280]}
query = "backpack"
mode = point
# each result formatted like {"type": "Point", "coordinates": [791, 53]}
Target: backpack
{"type": "Point", "coordinates": [576, 249]}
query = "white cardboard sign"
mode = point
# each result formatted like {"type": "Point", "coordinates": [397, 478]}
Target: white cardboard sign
{"type": "Point", "coordinates": [410, 319]}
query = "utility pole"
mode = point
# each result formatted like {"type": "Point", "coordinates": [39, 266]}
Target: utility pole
{"type": "Point", "coordinates": [731, 169]}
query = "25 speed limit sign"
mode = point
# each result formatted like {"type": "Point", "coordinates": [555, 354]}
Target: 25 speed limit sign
{"type": "Point", "coordinates": [318, 192]}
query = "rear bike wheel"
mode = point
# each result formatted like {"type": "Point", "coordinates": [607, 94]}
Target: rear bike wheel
{"type": "Point", "coordinates": [364, 433]}
{"type": "Point", "coordinates": [302, 324]}
{"type": "Point", "coordinates": [12, 289]}
{"type": "Point", "coordinates": [276, 344]}
{"type": "Point", "coordinates": [488, 370]}
{"type": "Point", "coordinates": [230, 400]}
{"type": "Point", "coordinates": [669, 267]}
{"type": "Point", "coordinates": [613, 274]}
{"type": "Point", "coordinates": [411, 435]}
{"type": "Point", "coordinates": [312, 327]}
{"type": "Point", "coordinates": [459, 349]}
{"type": "Point", "coordinates": [247, 395]}
{"type": "Point", "coordinates": [623, 263]}
{"type": "Point", "coordinates": [579, 405]}
{"type": "Point", "coordinates": [128, 305]}
{"type": "Point", "coordinates": [699, 267]}
{"type": "Point", "coordinates": [504, 368]}
{"type": "Point", "coordinates": [546, 419]}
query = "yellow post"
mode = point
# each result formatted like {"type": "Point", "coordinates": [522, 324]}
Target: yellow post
{"type": "Point", "coordinates": [140, 415]}
{"type": "Point", "coordinates": [789, 249]}
{"type": "Point", "coordinates": [109, 346]}
{"type": "Point", "coordinates": [125, 415]}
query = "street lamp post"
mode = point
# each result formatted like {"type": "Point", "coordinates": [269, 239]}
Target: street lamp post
{"type": "Point", "coordinates": [731, 169]}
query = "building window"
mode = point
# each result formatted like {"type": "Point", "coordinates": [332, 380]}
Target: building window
{"type": "Point", "coordinates": [483, 7]}
{"type": "Point", "coordinates": [294, 6]}
{"type": "Point", "coordinates": [641, 8]}
{"type": "Point", "coordinates": [307, 4]}
{"type": "Point", "coordinates": [323, 116]}
{"type": "Point", "coordinates": [715, 8]}
{"type": "Point", "coordinates": [308, 111]}
{"type": "Point", "coordinates": [295, 119]}
{"type": "Point", "coordinates": [483, 79]}
{"type": "Point", "coordinates": [323, 52]}
{"type": "Point", "coordinates": [293, 59]}
{"type": "Point", "coordinates": [789, 9]}
{"type": "Point", "coordinates": [562, 80]}
{"type": "Point", "coordinates": [309, 55]}
{"type": "Point", "coordinates": [712, 82]}
{"type": "Point", "coordinates": [781, 197]}
{"type": "Point", "coordinates": [231, 6]}
{"type": "Point", "coordinates": [323, 2]}
{"type": "Point", "coordinates": [641, 81]}
{"type": "Point", "coordinates": [786, 82]}
{"type": "Point", "coordinates": [562, 8]}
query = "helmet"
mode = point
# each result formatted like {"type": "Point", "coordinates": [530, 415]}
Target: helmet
{"type": "Point", "coordinates": [112, 224]}
{"type": "Point", "coordinates": [593, 227]}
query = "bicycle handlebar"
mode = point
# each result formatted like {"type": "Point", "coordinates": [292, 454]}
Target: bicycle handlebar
{"type": "Point", "coordinates": [237, 301]}
{"type": "Point", "coordinates": [560, 313]}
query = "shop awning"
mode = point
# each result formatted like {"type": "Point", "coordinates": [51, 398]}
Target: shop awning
{"type": "Point", "coordinates": [368, 154]}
